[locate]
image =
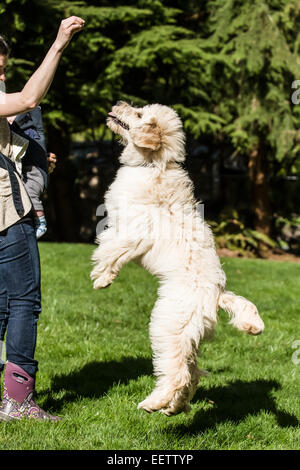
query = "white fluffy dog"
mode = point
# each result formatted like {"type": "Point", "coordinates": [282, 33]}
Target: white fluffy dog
{"type": "Point", "coordinates": [154, 220]}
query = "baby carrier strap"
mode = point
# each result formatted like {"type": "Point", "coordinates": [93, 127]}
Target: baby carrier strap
{"type": "Point", "coordinates": [36, 154]}
{"type": "Point", "coordinates": [10, 167]}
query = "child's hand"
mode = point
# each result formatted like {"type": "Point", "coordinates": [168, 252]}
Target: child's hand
{"type": "Point", "coordinates": [11, 119]}
{"type": "Point", "coordinates": [52, 159]}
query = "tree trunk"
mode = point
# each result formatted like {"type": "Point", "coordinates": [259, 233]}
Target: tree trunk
{"type": "Point", "coordinates": [261, 207]}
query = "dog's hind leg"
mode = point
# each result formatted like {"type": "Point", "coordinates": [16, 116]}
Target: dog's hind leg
{"type": "Point", "coordinates": [244, 314]}
{"type": "Point", "coordinates": [177, 324]}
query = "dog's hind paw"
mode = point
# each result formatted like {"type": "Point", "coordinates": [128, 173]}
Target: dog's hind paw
{"type": "Point", "coordinates": [171, 411]}
{"type": "Point", "coordinates": [144, 405]}
{"type": "Point", "coordinates": [169, 408]}
{"type": "Point", "coordinates": [150, 405]}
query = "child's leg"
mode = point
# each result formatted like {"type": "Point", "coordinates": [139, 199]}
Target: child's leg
{"type": "Point", "coordinates": [34, 183]}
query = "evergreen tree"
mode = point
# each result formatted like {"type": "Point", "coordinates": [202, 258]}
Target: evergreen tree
{"type": "Point", "coordinates": [227, 66]}
{"type": "Point", "coordinates": [230, 79]}
{"type": "Point", "coordinates": [256, 60]}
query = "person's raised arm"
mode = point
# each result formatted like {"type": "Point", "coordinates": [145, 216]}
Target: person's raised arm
{"type": "Point", "coordinates": [39, 83]}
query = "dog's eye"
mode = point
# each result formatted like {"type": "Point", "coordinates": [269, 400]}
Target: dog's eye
{"type": "Point", "coordinates": [139, 115]}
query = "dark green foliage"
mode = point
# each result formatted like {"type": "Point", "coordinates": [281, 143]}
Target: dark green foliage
{"type": "Point", "coordinates": [226, 66]}
{"type": "Point", "coordinates": [257, 54]}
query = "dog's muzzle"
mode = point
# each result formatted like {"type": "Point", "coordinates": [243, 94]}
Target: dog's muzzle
{"type": "Point", "coordinates": [118, 121]}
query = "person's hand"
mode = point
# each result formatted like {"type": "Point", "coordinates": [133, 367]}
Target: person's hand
{"type": "Point", "coordinates": [52, 159]}
{"type": "Point", "coordinates": [67, 29]}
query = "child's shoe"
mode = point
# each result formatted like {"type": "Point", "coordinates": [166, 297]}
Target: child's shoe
{"type": "Point", "coordinates": [41, 226]}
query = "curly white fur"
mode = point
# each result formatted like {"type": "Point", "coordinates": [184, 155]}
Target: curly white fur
{"type": "Point", "coordinates": [153, 219]}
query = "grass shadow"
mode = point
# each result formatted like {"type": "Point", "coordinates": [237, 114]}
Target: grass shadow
{"type": "Point", "coordinates": [94, 380]}
{"type": "Point", "coordinates": [233, 403]}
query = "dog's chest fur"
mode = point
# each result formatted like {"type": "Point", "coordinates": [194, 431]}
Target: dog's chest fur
{"type": "Point", "coordinates": [149, 186]}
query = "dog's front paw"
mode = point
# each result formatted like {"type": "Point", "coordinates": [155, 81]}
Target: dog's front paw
{"type": "Point", "coordinates": [102, 280]}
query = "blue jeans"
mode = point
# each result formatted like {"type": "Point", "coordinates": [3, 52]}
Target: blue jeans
{"type": "Point", "coordinates": [20, 296]}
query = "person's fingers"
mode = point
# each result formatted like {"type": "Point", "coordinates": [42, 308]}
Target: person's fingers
{"type": "Point", "coordinates": [73, 28]}
{"type": "Point", "coordinates": [72, 20]}
{"type": "Point", "coordinates": [73, 24]}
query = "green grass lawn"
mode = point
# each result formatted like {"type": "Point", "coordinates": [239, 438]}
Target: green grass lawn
{"type": "Point", "coordinates": [95, 364]}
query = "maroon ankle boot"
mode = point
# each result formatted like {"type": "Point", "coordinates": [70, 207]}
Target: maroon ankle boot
{"type": "Point", "coordinates": [17, 400]}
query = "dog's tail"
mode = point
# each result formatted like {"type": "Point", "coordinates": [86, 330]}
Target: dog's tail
{"type": "Point", "coordinates": [243, 313]}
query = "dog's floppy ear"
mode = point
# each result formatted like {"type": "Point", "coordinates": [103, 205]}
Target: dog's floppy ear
{"type": "Point", "coordinates": [147, 135]}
